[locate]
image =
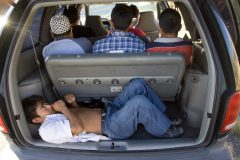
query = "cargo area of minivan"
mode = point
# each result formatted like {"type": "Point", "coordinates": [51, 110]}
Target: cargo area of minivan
{"type": "Point", "coordinates": [187, 89]}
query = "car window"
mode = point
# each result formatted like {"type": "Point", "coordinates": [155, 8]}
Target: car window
{"type": "Point", "coordinates": [82, 13]}
{"type": "Point", "coordinates": [104, 10]}
{"type": "Point", "coordinates": [35, 31]}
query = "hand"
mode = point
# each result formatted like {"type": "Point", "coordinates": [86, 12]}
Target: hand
{"type": "Point", "coordinates": [70, 98]}
{"type": "Point", "coordinates": [59, 105]}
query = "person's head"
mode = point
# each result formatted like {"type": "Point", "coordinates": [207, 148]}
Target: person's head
{"type": "Point", "coordinates": [72, 14]}
{"type": "Point", "coordinates": [134, 10]}
{"type": "Point", "coordinates": [36, 109]}
{"type": "Point", "coordinates": [60, 26]}
{"type": "Point", "coordinates": [121, 17]}
{"type": "Point", "coordinates": [170, 22]}
{"type": "Point", "coordinates": [135, 14]}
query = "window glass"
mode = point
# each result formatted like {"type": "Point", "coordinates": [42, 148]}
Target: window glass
{"type": "Point", "coordinates": [104, 10]}
{"type": "Point", "coordinates": [34, 31]}
{"type": "Point", "coordinates": [83, 14]}
{"type": "Point", "coordinates": [81, 9]}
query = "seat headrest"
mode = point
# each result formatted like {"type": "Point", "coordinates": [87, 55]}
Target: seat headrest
{"type": "Point", "coordinates": [96, 24]}
{"type": "Point", "coordinates": [149, 24]}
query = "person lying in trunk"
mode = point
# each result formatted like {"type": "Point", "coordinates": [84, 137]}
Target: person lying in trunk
{"type": "Point", "coordinates": [137, 103]}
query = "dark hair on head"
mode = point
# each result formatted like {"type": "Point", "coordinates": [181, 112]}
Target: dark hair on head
{"type": "Point", "coordinates": [71, 13]}
{"type": "Point", "coordinates": [134, 10]}
{"type": "Point", "coordinates": [30, 106]}
{"type": "Point", "coordinates": [121, 17]}
{"type": "Point", "coordinates": [170, 21]}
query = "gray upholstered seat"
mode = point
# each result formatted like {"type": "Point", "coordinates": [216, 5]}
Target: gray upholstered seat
{"type": "Point", "coordinates": [149, 24]}
{"type": "Point", "coordinates": [96, 24]}
{"type": "Point", "coordinates": [105, 75]}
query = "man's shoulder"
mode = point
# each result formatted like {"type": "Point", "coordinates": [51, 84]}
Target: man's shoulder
{"type": "Point", "coordinates": [102, 41]}
{"type": "Point", "coordinates": [138, 40]}
{"type": "Point", "coordinates": [80, 38]}
{"type": "Point", "coordinates": [56, 116]}
{"type": "Point", "coordinates": [52, 121]}
{"type": "Point", "coordinates": [137, 31]}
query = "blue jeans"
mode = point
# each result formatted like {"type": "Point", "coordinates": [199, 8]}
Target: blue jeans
{"type": "Point", "coordinates": [136, 104]}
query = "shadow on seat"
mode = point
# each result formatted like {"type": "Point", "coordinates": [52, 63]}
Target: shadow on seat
{"type": "Point", "coordinates": [96, 24]}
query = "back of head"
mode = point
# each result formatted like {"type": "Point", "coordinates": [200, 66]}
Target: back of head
{"type": "Point", "coordinates": [30, 105]}
{"type": "Point", "coordinates": [60, 25]}
{"type": "Point", "coordinates": [121, 17]}
{"type": "Point", "coordinates": [170, 21]}
{"type": "Point", "coordinates": [71, 13]}
{"type": "Point", "coordinates": [134, 10]}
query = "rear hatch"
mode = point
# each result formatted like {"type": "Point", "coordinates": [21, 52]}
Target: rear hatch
{"type": "Point", "coordinates": [197, 99]}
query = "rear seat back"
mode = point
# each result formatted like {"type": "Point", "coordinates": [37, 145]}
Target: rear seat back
{"type": "Point", "coordinates": [104, 75]}
{"type": "Point", "coordinates": [184, 47]}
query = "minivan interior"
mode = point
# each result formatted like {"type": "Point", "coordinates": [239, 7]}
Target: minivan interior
{"type": "Point", "coordinates": [187, 89]}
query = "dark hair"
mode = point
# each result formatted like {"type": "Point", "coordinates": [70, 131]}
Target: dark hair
{"type": "Point", "coordinates": [30, 106]}
{"type": "Point", "coordinates": [121, 17]}
{"type": "Point", "coordinates": [170, 21]}
{"type": "Point", "coordinates": [71, 13]}
{"type": "Point", "coordinates": [134, 10]}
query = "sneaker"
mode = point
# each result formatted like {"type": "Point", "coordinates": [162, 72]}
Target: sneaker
{"type": "Point", "coordinates": [173, 132]}
{"type": "Point", "coordinates": [177, 122]}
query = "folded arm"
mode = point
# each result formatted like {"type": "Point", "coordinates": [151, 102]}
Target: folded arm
{"type": "Point", "coordinates": [75, 124]}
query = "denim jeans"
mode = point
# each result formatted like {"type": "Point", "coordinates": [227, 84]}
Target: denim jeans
{"type": "Point", "coordinates": [137, 103]}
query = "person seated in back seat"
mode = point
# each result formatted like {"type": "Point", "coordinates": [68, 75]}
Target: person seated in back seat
{"type": "Point", "coordinates": [170, 25]}
{"type": "Point", "coordinates": [64, 43]}
{"type": "Point", "coordinates": [120, 40]}
{"type": "Point", "coordinates": [137, 31]}
{"type": "Point", "coordinates": [78, 31]}
{"type": "Point", "coordinates": [137, 103]}
{"type": "Point", "coordinates": [135, 13]}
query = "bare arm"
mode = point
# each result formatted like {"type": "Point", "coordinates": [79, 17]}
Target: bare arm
{"type": "Point", "coordinates": [76, 125]}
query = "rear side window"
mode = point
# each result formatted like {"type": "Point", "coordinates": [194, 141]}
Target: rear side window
{"type": "Point", "coordinates": [35, 31]}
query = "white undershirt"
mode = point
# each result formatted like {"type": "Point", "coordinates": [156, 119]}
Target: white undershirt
{"type": "Point", "coordinates": [56, 129]}
{"type": "Point", "coordinates": [168, 40]}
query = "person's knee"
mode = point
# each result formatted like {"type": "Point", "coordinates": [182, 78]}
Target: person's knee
{"type": "Point", "coordinates": [139, 98]}
{"type": "Point", "coordinates": [137, 82]}
{"type": "Point", "coordinates": [139, 101]}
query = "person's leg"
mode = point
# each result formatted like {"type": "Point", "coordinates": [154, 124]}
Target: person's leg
{"type": "Point", "coordinates": [123, 123]}
{"type": "Point", "coordinates": [135, 87]}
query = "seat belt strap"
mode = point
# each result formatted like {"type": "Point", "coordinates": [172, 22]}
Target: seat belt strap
{"type": "Point", "coordinates": [39, 66]}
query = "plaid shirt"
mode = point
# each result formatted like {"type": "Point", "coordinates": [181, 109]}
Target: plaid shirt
{"type": "Point", "coordinates": [119, 42]}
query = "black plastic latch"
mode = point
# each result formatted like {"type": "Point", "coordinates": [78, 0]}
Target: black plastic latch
{"type": "Point", "coordinates": [17, 117]}
{"type": "Point", "coordinates": [112, 146]}
{"type": "Point", "coordinates": [209, 115]}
